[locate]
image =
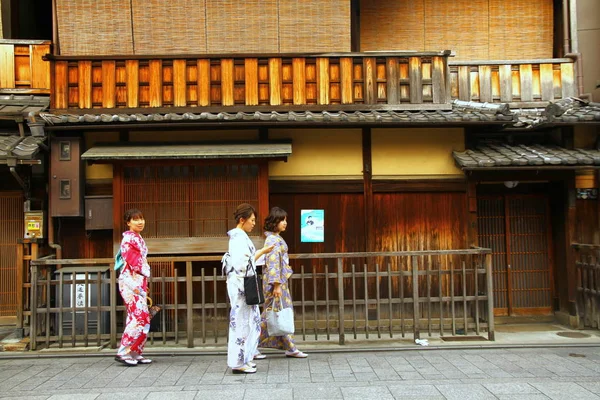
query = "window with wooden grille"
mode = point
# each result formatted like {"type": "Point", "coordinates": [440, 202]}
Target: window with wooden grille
{"type": "Point", "coordinates": [197, 201]}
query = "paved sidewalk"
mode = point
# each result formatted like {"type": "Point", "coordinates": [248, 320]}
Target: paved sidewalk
{"type": "Point", "coordinates": [521, 373]}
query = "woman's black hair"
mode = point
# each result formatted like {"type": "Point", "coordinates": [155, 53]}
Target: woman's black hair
{"type": "Point", "coordinates": [276, 215]}
{"type": "Point", "coordinates": [133, 213]}
{"type": "Point", "coordinates": [245, 211]}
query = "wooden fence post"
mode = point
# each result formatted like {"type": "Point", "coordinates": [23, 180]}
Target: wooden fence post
{"type": "Point", "coordinates": [189, 304]}
{"type": "Point", "coordinates": [490, 296]}
{"type": "Point", "coordinates": [113, 308]}
{"type": "Point", "coordinates": [340, 274]}
{"type": "Point", "coordinates": [33, 300]}
{"type": "Point", "coordinates": [415, 285]}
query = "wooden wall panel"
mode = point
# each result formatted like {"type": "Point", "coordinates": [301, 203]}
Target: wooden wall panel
{"type": "Point", "coordinates": [343, 212]}
{"type": "Point", "coordinates": [11, 230]}
{"type": "Point", "coordinates": [587, 227]}
{"type": "Point", "coordinates": [77, 243]}
{"type": "Point", "coordinates": [7, 66]}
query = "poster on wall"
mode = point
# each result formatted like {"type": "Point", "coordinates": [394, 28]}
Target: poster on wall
{"type": "Point", "coordinates": [312, 226]}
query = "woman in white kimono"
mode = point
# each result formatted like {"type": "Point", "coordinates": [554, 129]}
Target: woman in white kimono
{"type": "Point", "coordinates": [244, 320]}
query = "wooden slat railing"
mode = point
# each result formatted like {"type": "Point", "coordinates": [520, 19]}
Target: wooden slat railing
{"type": "Point", "coordinates": [444, 293]}
{"type": "Point", "coordinates": [521, 83]}
{"type": "Point", "coordinates": [588, 284]}
{"type": "Point", "coordinates": [22, 67]}
{"type": "Point", "coordinates": [400, 80]}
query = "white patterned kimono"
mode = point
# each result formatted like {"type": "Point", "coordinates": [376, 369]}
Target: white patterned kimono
{"type": "Point", "coordinates": [244, 320]}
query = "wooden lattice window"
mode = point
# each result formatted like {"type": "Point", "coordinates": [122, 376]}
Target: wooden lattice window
{"type": "Point", "coordinates": [190, 201]}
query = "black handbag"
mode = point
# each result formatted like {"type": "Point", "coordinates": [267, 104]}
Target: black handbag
{"type": "Point", "coordinates": [253, 287]}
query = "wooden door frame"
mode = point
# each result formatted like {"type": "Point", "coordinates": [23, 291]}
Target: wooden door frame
{"type": "Point", "coordinates": [510, 311]}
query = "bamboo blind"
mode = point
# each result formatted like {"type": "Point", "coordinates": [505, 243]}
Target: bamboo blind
{"type": "Point", "coordinates": [392, 25]}
{"type": "Point", "coordinates": [94, 27]}
{"type": "Point", "coordinates": [474, 29]}
{"type": "Point", "coordinates": [314, 26]}
{"type": "Point", "coordinates": [178, 28]}
{"type": "Point", "coordinates": [521, 27]}
{"type": "Point", "coordinates": [11, 229]}
{"type": "Point", "coordinates": [242, 26]}
{"type": "Point", "coordinates": [462, 26]}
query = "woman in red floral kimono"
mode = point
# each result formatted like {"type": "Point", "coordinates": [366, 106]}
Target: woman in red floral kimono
{"type": "Point", "coordinates": [133, 286]}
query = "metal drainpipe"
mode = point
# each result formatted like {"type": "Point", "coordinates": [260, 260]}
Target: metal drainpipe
{"type": "Point", "coordinates": [570, 52]}
{"type": "Point", "coordinates": [51, 243]}
{"type": "Point", "coordinates": [13, 171]}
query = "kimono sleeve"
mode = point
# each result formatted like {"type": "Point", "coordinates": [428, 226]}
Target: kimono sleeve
{"type": "Point", "coordinates": [273, 261]}
{"type": "Point", "coordinates": [131, 253]}
{"type": "Point", "coordinates": [239, 253]}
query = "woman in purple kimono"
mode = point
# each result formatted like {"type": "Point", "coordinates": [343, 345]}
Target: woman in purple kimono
{"type": "Point", "coordinates": [276, 273]}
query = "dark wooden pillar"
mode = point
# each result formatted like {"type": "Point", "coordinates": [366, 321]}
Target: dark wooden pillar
{"type": "Point", "coordinates": [570, 238]}
{"type": "Point", "coordinates": [472, 231]}
{"type": "Point", "coordinates": [368, 189]}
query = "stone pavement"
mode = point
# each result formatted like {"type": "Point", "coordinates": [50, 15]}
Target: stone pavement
{"type": "Point", "coordinates": [516, 373]}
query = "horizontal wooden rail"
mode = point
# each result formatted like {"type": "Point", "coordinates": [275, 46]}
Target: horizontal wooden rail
{"type": "Point", "coordinates": [521, 83]}
{"type": "Point", "coordinates": [22, 67]}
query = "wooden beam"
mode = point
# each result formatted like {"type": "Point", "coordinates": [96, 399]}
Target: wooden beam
{"type": "Point", "coordinates": [251, 81]}
{"type": "Point", "coordinates": [84, 83]}
{"type": "Point", "coordinates": [370, 80]}
{"type": "Point", "coordinates": [275, 81]}
{"type": "Point", "coordinates": [346, 81]}
{"type": "Point", "coordinates": [61, 85]}
{"type": "Point", "coordinates": [299, 80]}
{"type": "Point", "coordinates": [547, 81]}
{"type": "Point", "coordinates": [323, 80]}
{"type": "Point", "coordinates": [40, 69]}
{"type": "Point", "coordinates": [132, 82]}
{"type": "Point", "coordinates": [109, 93]}
{"type": "Point", "coordinates": [180, 83]}
{"type": "Point", "coordinates": [203, 82]}
{"type": "Point", "coordinates": [485, 83]}
{"type": "Point", "coordinates": [416, 80]}
{"type": "Point", "coordinates": [439, 80]}
{"type": "Point", "coordinates": [368, 189]}
{"type": "Point", "coordinates": [155, 83]}
{"type": "Point", "coordinates": [393, 81]}
{"type": "Point", "coordinates": [526, 76]}
{"type": "Point", "coordinates": [7, 66]}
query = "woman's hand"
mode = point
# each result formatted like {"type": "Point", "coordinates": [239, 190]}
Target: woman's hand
{"type": "Point", "coordinates": [277, 290]}
{"type": "Point", "coordinates": [266, 249]}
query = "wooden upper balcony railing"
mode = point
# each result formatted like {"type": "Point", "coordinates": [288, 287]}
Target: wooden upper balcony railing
{"type": "Point", "coordinates": [521, 83]}
{"type": "Point", "coordinates": [22, 67]}
{"type": "Point", "coordinates": [400, 80]}
{"type": "Point", "coordinates": [345, 81]}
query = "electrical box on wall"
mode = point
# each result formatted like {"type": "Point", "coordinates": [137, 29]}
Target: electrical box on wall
{"type": "Point", "coordinates": [98, 212]}
{"type": "Point", "coordinates": [34, 225]}
{"type": "Point", "coordinates": [66, 173]}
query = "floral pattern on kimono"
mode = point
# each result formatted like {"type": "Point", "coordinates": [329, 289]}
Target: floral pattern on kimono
{"type": "Point", "coordinates": [276, 270]}
{"type": "Point", "coordinates": [134, 277]}
{"type": "Point", "coordinates": [244, 320]}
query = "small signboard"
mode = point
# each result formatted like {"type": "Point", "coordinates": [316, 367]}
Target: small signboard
{"type": "Point", "coordinates": [312, 226]}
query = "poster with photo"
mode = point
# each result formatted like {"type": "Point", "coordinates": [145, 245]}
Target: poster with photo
{"type": "Point", "coordinates": [312, 226]}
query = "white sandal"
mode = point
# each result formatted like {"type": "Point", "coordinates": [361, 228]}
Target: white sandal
{"type": "Point", "coordinates": [244, 369]}
{"type": "Point", "coordinates": [296, 354]}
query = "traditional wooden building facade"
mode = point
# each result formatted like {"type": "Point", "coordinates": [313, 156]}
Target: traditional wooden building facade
{"type": "Point", "coordinates": [334, 106]}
